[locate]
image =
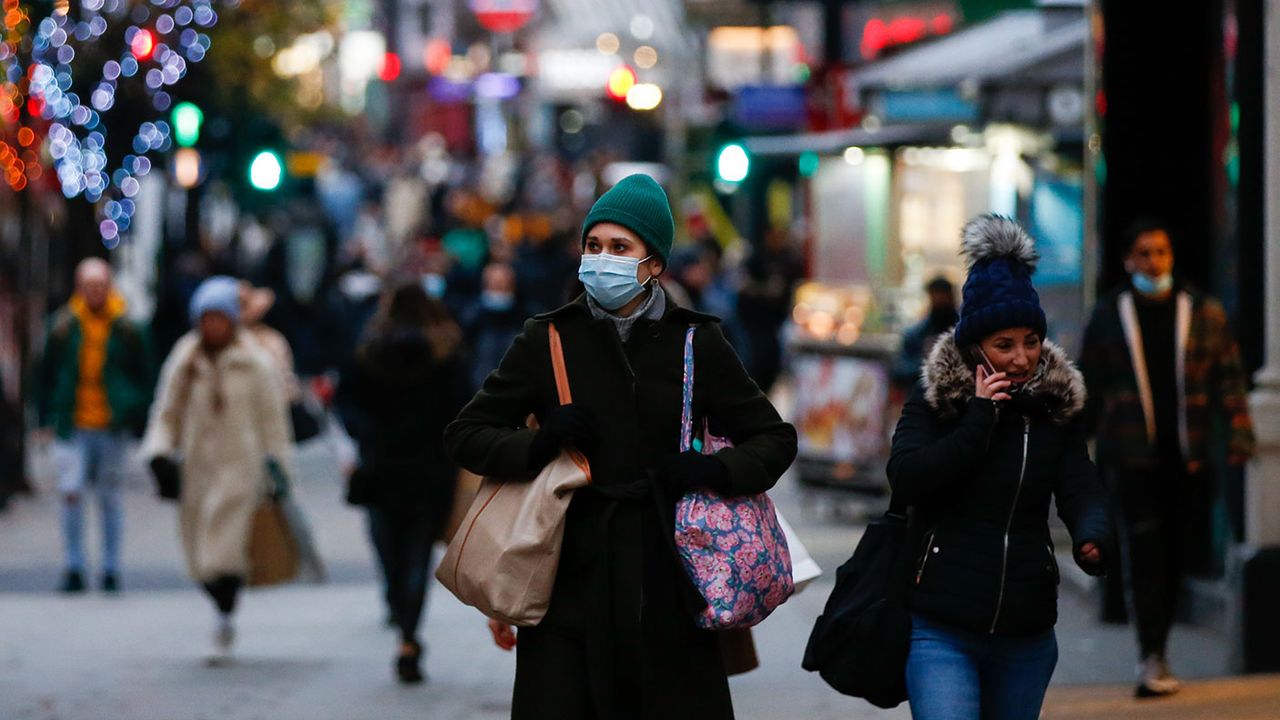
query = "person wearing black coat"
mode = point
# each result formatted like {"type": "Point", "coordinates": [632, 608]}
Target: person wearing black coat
{"type": "Point", "coordinates": [404, 386]}
{"type": "Point", "coordinates": [619, 639]}
{"type": "Point", "coordinates": [990, 435]}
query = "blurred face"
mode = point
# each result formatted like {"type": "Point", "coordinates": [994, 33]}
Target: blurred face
{"type": "Point", "coordinates": [612, 239]}
{"type": "Point", "coordinates": [1151, 254]}
{"type": "Point", "coordinates": [942, 300]}
{"type": "Point", "coordinates": [499, 279]}
{"type": "Point", "coordinates": [1015, 352]}
{"type": "Point", "coordinates": [216, 330]}
{"type": "Point", "coordinates": [93, 283]}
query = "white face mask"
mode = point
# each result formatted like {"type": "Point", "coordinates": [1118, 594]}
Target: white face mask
{"type": "Point", "coordinates": [611, 279]}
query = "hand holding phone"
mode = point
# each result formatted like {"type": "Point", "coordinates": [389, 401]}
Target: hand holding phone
{"type": "Point", "coordinates": [991, 385]}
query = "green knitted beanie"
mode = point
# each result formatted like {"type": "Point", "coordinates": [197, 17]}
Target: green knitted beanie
{"type": "Point", "coordinates": [639, 204]}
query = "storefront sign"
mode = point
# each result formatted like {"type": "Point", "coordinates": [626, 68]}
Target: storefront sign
{"type": "Point", "coordinates": [770, 107]}
{"type": "Point", "coordinates": [924, 106]}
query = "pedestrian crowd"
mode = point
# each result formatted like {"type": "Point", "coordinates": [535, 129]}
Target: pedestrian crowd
{"type": "Point", "coordinates": [523, 348]}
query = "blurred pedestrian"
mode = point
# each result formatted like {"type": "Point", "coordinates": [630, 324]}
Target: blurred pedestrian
{"type": "Point", "coordinates": [988, 438]}
{"type": "Point", "coordinates": [764, 304]}
{"type": "Point", "coordinates": [1162, 368]}
{"type": "Point", "coordinates": [218, 441]}
{"type": "Point", "coordinates": [919, 339]}
{"type": "Point", "coordinates": [96, 380]}
{"type": "Point", "coordinates": [255, 303]}
{"type": "Point", "coordinates": [493, 322]}
{"type": "Point", "coordinates": [405, 385]}
{"type": "Point", "coordinates": [619, 638]}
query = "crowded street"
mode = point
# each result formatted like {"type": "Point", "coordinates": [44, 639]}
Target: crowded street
{"type": "Point", "coordinates": [639, 360]}
{"type": "Point", "coordinates": [316, 651]}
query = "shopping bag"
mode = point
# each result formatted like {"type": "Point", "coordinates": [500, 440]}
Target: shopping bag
{"type": "Point", "coordinates": [311, 568]}
{"type": "Point", "coordinates": [732, 548]}
{"type": "Point", "coordinates": [464, 493]}
{"type": "Point", "coordinates": [804, 569]}
{"type": "Point", "coordinates": [273, 556]}
{"type": "Point", "coordinates": [503, 559]}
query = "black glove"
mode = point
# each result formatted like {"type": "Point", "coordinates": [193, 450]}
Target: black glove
{"type": "Point", "coordinates": [279, 482]}
{"type": "Point", "coordinates": [168, 479]}
{"type": "Point", "coordinates": [566, 426]}
{"type": "Point", "coordinates": [691, 469]}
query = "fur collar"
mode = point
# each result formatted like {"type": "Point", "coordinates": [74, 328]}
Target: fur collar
{"type": "Point", "coordinates": [948, 381]}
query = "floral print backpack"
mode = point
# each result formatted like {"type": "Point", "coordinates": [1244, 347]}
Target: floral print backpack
{"type": "Point", "coordinates": [733, 549]}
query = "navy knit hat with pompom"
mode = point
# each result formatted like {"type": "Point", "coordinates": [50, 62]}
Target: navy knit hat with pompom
{"type": "Point", "coordinates": [998, 294]}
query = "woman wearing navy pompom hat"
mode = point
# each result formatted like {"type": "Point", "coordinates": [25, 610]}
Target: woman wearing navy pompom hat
{"type": "Point", "coordinates": [991, 434]}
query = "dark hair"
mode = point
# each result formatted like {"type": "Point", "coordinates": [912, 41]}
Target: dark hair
{"type": "Point", "coordinates": [940, 284]}
{"type": "Point", "coordinates": [409, 306]}
{"type": "Point", "coordinates": [1141, 226]}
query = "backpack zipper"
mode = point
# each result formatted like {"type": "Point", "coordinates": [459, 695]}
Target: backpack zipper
{"type": "Point", "coordinates": [1004, 561]}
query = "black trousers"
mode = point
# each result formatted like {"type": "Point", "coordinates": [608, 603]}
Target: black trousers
{"type": "Point", "coordinates": [1163, 528]}
{"type": "Point", "coordinates": [224, 591]}
{"type": "Point", "coordinates": [403, 540]}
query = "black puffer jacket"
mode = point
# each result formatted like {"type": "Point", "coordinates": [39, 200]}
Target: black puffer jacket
{"type": "Point", "coordinates": [980, 477]}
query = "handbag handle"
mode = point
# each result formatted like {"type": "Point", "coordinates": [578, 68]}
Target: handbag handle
{"type": "Point", "coordinates": [686, 407]}
{"type": "Point", "coordinates": [557, 365]}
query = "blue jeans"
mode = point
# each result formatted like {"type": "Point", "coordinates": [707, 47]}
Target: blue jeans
{"type": "Point", "coordinates": [957, 675]}
{"type": "Point", "coordinates": [91, 458]}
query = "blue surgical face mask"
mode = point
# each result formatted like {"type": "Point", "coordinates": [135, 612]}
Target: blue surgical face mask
{"type": "Point", "coordinates": [611, 279]}
{"type": "Point", "coordinates": [495, 301]}
{"type": "Point", "coordinates": [434, 284]}
{"type": "Point", "coordinates": [1152, 286]}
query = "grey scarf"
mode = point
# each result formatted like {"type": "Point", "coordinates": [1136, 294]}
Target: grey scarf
{"type": "Point", "coordinates": [653, 309]}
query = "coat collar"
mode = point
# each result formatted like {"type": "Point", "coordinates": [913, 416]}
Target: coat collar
{"type": "Point", "coordinates": [948, 381]}
{"type": "Point", "coordinates": [675, 313]}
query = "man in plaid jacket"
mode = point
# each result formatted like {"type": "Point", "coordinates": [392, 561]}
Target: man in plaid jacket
{"type": "Point", "coordinates": [1162, 369]}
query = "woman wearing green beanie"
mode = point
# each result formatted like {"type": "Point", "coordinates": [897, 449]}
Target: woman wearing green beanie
{"type": "Point", "coordinates": [619, 640]}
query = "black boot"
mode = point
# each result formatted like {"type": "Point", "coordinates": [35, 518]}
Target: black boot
{"type": "Point", "coordinates": [409, 664]}
{"type": "Point", "coordinates": [72, 582]}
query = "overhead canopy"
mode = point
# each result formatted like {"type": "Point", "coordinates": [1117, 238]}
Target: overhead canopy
{"type": "Point", "coordinates": [838, 140]}
{"type": "Point", "coordinates": [1038, 47]}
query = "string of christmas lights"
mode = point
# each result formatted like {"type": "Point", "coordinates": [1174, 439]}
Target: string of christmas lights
{"type": "Point", "coordinates": [163, 38]}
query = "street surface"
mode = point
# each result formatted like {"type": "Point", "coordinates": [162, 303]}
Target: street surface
{"type": "Point", "coordinates": [322, 653]}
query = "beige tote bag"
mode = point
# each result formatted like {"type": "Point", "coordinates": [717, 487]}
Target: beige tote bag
{"type": "Point", "coordinates": [503, 559]}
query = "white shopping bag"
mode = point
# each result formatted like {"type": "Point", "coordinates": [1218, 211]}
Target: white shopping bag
{"type": "Point", "coordinates": [803, 567]}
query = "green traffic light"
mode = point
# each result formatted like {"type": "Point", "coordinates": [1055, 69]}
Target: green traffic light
{"type": "Point", "coordinates": [187, 118]}
{"type": "Point", "coordinates": [266, 172]}
{"type": "Point", "coordinates": [733, 163]}
{"type": "Point", "coordinates": [809, 163]}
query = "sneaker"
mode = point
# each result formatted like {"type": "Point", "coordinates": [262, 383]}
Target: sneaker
{"type": "Point", "coordinates": [72, 582]}
{"type": "Point", "coordinates": [223, 640]}
{"type": "Point", "coordinates": [409, 664]}
{"type": "Point", "coordinates": [1155, 679]}
{"type": "Point", "coordinates": [110, 583]}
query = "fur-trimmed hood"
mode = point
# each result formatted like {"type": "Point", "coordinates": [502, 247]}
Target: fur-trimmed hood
{"type": "Point", "coordinates": [948, 381]}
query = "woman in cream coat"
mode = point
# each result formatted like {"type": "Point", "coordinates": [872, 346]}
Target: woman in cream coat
{"type": "Point", "coordinates": [218, 440]}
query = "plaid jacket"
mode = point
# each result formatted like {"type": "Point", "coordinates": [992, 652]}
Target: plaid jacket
{"type": "Point", "coordinates": [1212, 381]}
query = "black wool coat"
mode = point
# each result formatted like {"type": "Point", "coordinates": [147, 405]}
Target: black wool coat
{"type": "Point", "coordinates": [621, 596]}
{"type": "Point", "coordinates": [979, 476]}
{"type": "Point", "coordinates": [395, 400]}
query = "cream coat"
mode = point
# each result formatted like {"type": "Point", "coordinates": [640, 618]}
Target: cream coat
{"type": "Point", "coordinates": [222, 454]}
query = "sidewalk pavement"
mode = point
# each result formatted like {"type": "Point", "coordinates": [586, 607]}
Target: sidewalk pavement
{"type": "Point", "coordinates": [322, 653]}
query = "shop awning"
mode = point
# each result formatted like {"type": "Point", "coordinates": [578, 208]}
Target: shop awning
{"type": "Point", "coordinates": [1036, 47]}
{"type": "Point", "coordinates": [837, 140]}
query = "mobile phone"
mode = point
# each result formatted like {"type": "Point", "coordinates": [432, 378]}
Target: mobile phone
{"type": "Point", "coordinates": [979, 357]}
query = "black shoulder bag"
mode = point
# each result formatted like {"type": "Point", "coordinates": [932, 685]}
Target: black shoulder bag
{"type": "Point", "coordinates": [859, 644]}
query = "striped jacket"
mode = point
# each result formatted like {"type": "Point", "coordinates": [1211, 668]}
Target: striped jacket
{"type": "Point", "coordinates": [1211, 381]}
